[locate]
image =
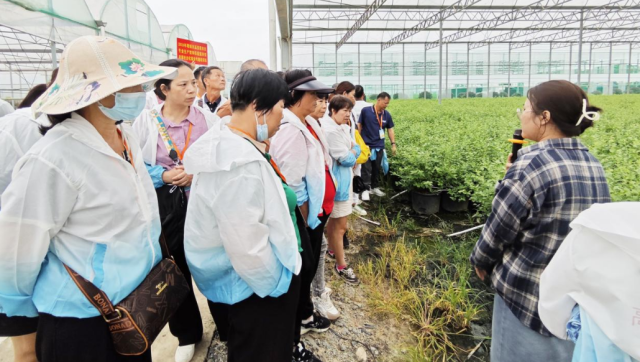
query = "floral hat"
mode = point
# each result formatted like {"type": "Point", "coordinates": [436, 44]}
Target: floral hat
{"type": "Point", "coordinates": [92, 68]}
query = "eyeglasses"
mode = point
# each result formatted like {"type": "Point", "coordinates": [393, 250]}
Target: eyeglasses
{"type": "Point", "coordinates": [520, 111]}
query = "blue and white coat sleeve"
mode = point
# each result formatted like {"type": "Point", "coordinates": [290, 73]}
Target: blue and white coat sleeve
{"type": "Point", "coordinates": [35, 206]}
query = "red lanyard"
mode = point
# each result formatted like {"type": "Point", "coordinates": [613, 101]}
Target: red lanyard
{"type": "Point", "coordinates": [378, 117]}
{"type": "Point", "coordinates": [128, 155]}
{"type": "Point", "coordinates": [186, 143]}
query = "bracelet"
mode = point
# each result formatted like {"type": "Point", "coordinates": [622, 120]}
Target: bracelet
{"type": "Point", "coordinates": [393, 143]}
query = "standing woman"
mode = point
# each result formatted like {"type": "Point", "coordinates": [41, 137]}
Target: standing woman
{"type": "Point", "coordinates": [242, 243]}
{"type": "Point", "coordinates": [19, 131]}
{"type": "Point", "coordinates": [165, 133]}
{"type": "Point", "coordinates": [298, 151]}
{"type": "Point", "coordinates": [80, 197]}
{"type": "Point", "coordinates": [344, 152]}
{"type": "Point", "coordinates": [551, 182]}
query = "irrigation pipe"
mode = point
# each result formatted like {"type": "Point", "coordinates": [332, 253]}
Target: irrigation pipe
{"type": "Point", "coordinates": [466, 231]}
{"type": "Point", "coordinates": [370, 221]}
{"type": "Point", "coordinates": [398, 194]}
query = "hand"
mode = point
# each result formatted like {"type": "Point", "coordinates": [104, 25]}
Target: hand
{"type": "Point", "coordinates": [224, 110]}
{"type": "Point", "coordinates": [394, 150]}
{"type": "Point", "coordinates": [167, 176]}
{"type": "Point", "coordinates": [509, 163]}
{"type": "Point", "coordinates": [482, 274]}
{"type": "Point", "coordinates": [182, 178]}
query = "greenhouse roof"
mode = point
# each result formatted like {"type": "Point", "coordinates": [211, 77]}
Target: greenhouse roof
{"type": "Point", "coordinates": [474, 22]}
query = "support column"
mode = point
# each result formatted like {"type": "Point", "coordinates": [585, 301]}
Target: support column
{"type": "Point", "coordinates": [11, 81]}
{"type": "Point", "coordinates": [54, 54]}
{"type": "Point", "coordinates": [359, 70]}
{"type": "Point", "coordinates": [489, 71]}
{"type": "Point", "coordinates": [550, 58]}
{"type": "Point", "coordinates": [424, 64]}
{"type": "Point", "coordinates": [609, 85]}
{"type": "Point", "coordinates": [468, 68]}
{"type": "Point", "coordinates": [403, 71]}
{"type": "Point", "coordinates": [509, 74]}
{"type": "Point", "coordinates": [530, 50]}
{"type": "Point", "coordinates": [570, 60]}
{"type": "Point", "coordinates": [273, 46]}
{"type": "Point", "coordinates": [590, 65]}
{"type": "Point", "coordinates": [336, 64]}
{"type": "Point", "coordinates": [440, 67]}
{"type": "Point", "coordinates": [381, 69]}
{"type": "Point", "coordinates": [629, 71]}
{"type": "Point", "coordinates": [580, 48]}
{"type": "Point", "coordinates": [285, 49]}
{"type": "Point", "coordinates": [446, 74]}
{"type": "Point", "coordinates": [313, 58]}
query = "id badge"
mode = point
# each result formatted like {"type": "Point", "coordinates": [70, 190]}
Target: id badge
{"type": "Point", "coordinates": [381, 134]}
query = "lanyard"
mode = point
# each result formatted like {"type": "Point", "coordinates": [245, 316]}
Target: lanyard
{"type": "Point", "coordinates": [378, 117]}
{"type": "Point", "coordinates": [271, 161]}
{"type": "Point", "coordinates": [168, 142]}
{"type": "Point", "coordinates": [128, 156]}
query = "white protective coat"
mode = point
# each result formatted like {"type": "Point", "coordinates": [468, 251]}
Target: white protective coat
{"type": "Point", "coordinates": [598, 267]}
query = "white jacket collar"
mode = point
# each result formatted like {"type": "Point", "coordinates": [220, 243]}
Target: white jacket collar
{"type": "Point", "coordinates": [83, 131]}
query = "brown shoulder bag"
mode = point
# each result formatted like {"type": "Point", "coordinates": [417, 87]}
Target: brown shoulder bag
{"type": "Point", "coordinates": [138, 319]}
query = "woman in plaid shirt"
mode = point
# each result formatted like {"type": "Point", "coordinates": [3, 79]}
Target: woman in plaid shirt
{"type": "Point", "coordinates": [551, 182]}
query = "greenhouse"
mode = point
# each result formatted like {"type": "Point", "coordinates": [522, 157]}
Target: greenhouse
{"type": "Point", "coordinates": [33, 34]}
{"type": "Point", "coordinates": [420, 49]}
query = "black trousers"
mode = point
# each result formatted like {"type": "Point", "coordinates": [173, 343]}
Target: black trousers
{"type": "Point", "coordinates": [220, 314]}
{"type": "Point", "coordinates": [262, 329]}
{"type": "Point", "coordinates": [62, 339]}
{"type": "Point", "coordinates": [371, 172]}
{"type": "Point", "coordinates": [186, 323]}
{"type": "Point", "coordinates": [311, 241]}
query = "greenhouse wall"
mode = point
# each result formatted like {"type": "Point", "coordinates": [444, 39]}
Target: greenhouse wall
{"type": "Point", "coordinates": [408, 70]}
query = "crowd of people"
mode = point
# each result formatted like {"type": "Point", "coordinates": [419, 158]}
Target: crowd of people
{"type": "Point", "coordinates": [124, 158]}
{"type": "Point", "coordinates": [250, 195]}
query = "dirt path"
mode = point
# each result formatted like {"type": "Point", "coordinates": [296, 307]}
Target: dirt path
{"type": "Point", "coordinates": [382, 339]}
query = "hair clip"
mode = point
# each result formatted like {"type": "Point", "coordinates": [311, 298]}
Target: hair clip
{"type": "Point", "coordinates": [592, 116]}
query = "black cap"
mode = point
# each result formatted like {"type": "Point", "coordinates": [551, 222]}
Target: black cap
{"type": "Point", "coordinates": [310, 84]}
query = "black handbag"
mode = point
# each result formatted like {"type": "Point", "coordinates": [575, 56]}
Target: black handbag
{"type": "Point", "coordinates": [138, 319]}
{"type": "Point", "coordinates": [172, 204]}
{"type": "Point", "coordinates": [358, 185]}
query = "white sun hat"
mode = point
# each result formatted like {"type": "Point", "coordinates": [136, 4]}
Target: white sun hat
{"type": "Point", "coordinates": [92, 68]}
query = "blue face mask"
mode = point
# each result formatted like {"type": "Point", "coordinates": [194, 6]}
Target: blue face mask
{"type": "Point", "coordinates": [262, 129]}
{"type": "Point", "coordinates": [128, 106]}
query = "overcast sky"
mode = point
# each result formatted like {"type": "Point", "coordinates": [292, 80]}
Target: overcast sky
{"type": "Point", "coordinates": [237, 29]}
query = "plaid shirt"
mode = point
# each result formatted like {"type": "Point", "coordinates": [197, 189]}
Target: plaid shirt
{"type": "Point", "coordinates": [544, 190]}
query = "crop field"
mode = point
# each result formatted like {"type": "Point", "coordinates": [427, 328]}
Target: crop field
{"type": "Point", "coordinates": [461, 146]}
{"type": "Point", "coordinates": [417, 274]}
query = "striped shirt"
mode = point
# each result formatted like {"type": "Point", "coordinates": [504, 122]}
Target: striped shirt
{"type": "Point", "coordinates": [544, 190]}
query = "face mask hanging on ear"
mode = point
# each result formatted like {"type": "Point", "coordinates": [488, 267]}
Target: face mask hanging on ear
{"type": "Point", "coordinates": [128, 106]}
{"type": "Point", "coordinates": [262, 129]}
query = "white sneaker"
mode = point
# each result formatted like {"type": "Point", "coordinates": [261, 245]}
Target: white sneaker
{"type": "Point", "coordinates": [365, 196]}
{"type": "Point", "coordinates": [325, 306]}
{"type": "Point", "coordinates": [359, 211]}
{"type": "Point", "coordinates": [378, 192]}
{"type": "Point", "coordinates": [185, 353]}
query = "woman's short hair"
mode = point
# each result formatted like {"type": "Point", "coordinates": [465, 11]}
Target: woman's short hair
{"type": "Point", "coordinates": [345, 87]}
{"type": "Point", "coordinates": [294, 97]}
{"type": "Point", "coordinates": [359, 92]}
{"type": "Point", "coordinates": [173, 63]}
{"type": "Point", "coordinates": [338, 103]}
{"type": "Point", "coordinates": [260, 86]}
{"type": "Point", "coordinates": [564, 101]}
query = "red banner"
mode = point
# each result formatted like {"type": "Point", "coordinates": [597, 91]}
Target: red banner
{"type": "Point", "coordinates": [193, 51]}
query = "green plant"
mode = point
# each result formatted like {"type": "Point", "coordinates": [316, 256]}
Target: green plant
{"type": "Point", "coordinates": [596, 93]}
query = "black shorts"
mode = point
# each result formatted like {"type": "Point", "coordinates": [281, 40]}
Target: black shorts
{"type": "Point", "coordinates": [17, 326]}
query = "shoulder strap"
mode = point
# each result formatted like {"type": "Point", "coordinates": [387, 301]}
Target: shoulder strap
{"type": "Point", "coordinates": [97, 297]}
{"type": "Point", "coordinates": [271, 162]}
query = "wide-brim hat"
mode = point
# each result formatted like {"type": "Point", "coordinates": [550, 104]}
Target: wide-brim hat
{"type": "Point", "coordinates": [310, 84]}
{"type": "Point", "coordinates": [92, 68]}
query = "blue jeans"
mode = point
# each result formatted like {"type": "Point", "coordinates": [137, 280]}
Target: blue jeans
{"type": "Point", "coordinates": [513, 341]}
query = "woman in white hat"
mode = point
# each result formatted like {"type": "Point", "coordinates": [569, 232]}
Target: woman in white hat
{"type": "Point", "coordinates": [81, 197]}
{"type": "Point", "coordinates": [165, 133]}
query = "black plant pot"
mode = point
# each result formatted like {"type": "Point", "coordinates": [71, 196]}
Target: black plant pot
{"type": "Point", "coordinates": [425, 203]}
{"type": "Point", "coordinates": [450, 205]}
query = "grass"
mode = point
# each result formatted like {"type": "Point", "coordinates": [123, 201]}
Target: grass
{"type": "Point", "coordinates": [426, 282]}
